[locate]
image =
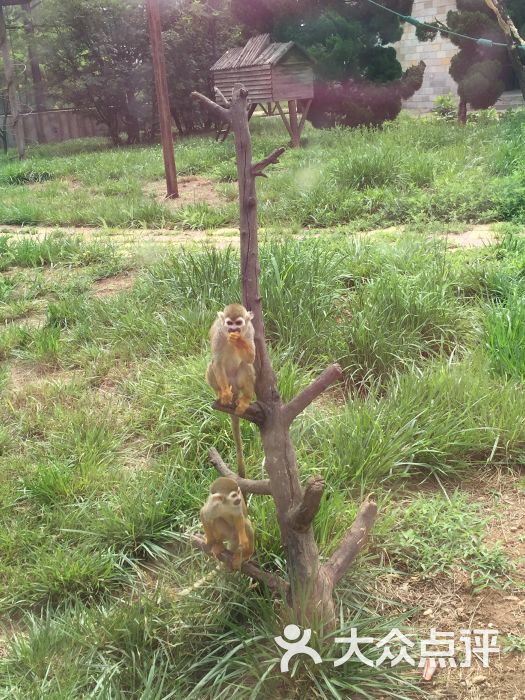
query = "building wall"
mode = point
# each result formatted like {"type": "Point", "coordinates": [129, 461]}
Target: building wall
{"type": "Point", "coordinates": [436, 54]}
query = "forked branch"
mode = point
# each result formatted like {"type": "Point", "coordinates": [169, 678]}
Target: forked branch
{"type": "Point", "coordinates": [352, 542]}
{"type": "Point", "coordinates": [254, 413]}
{"type": "Point", "coordinates": [259, 167]}
{"type": "Point", "coordinates": [275, 583]}
{"type": "Point", "coordinates": [301, 516]}
{"type": "Point", "coordinates": [260, 487]}
{"type": "Point", "coordinates": [294, 407]}
{"type": "Point", "coordinates": [220, 112]}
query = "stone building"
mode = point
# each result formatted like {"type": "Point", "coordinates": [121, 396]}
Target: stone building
{"type": "Point", "coordinates": [437, 55]}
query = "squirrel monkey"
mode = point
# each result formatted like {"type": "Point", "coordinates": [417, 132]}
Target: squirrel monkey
{"type": "Point", "coordinates": [231, 372]}
{"type": "Point", "coordinates": [224, 517]}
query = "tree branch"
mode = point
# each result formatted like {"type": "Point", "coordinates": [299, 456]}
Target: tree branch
{"type": "Point", "coordinates": [258, 486]}
{"type": "Point", "coordinates": [301, 516]}
{"type": "Point", "coordinates": [219, 112]}
{"type": "Point", "coordinates": [294, 407]}
{"type": "Point", "coordinates": [272, 159]}
{"type": "Point", "coordinates": [220, 95]}
{"type": "Point", "coordinates": [254, 413]}
{"type": "Point", "coordinates": [275, 583]}
{"type": "Point", "coordinates": [352, 542]}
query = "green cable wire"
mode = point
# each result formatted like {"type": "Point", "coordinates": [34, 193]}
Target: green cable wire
{"type": "Point", "coordinates": [417, 23]}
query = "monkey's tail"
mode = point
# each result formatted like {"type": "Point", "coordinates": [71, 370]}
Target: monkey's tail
{"type": "Point", "coordinates": [200, 582]}
{"type": "Point", "coordinates": [236, 429]}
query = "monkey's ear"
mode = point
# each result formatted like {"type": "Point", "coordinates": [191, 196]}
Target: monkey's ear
{"type": "Point", "coordinates": [220, 315]}
{"type": "Point", "coordinates": [250, 315]}
{"type": "Point", "coordinates": [218, 497]}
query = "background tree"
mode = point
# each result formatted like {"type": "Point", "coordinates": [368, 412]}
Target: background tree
{"type": "Point", "coordinates": [482, 72]}
{"type": "Point", "coordinates": [97, 55]}
{"type": "Point", "coordinates": [360, 80]}
{"type": "Point", "coordinates": [196, 33]}
{"type": "Point", "coordinates": [513, 32]}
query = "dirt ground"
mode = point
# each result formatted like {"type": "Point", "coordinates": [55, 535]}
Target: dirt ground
{"type": "Point", "coordinates": [474, 237]}
{"type": "Point", "coordinates": [449, 604]}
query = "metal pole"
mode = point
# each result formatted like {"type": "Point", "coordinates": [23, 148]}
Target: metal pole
{"type": "Point", "coordinates": [18, 124]}
{"type": "Point", "coordinates": [161, 87]}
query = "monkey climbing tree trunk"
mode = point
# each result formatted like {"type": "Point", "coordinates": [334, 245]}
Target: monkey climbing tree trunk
{"type": "Point", "coordinates": [310, 585]}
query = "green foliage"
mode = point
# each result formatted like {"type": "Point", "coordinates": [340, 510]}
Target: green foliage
{"type": "Point", "coordinates": [438, 534]}
{"type": "Point", "coordinates": [411, 171]}
{"type": "Point", "coordinates": [103, 470]}
{"type": "Point", "coordinates": [97, 54]}
{"type": "Point", "coordinates": [445, 107]}
{"type": "Point", "coordinates": [482, 73]}
{"type": "Point", "coordinates": [360, 80]}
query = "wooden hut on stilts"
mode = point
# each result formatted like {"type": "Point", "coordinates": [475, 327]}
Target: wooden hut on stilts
{"type": "Point", "coordinates": [273, 73]}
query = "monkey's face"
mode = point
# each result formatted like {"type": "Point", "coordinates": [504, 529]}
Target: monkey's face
{"type": "Point", "coordinates": [234, 325]}
{"type": "Point", "coordinates": [235, 318]}
{"type": "Point", "coordinates": [231, 498]}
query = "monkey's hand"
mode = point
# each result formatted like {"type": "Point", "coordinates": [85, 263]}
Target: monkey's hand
{"type": "Point", "coordinates": [217, 549]}
{"type": "Point", "coordinates": [242, 406]}
{"type": "Point", "coordinates": [245, 348]}
{"type": "Point", "coordinates": [237, 341]}
{"type": "Point", "coordinates": [226, 396]}
{"type": "Point", "coordinates": [237, 560]}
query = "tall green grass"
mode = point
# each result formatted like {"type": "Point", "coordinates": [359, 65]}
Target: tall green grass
{"type": "Point", "coordinates": [103, 469]}
{"type": "Point", "coordinates": [412, 170]}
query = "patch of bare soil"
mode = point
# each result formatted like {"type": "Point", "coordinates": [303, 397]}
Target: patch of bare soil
{"type": "Point", "coordinates": [477, 237]}
{"type": "Point", "coordinates": [112, 285]}
{"type": "Point", "coordinates": [448, 603]}
{"type": "Point", "coordinates": [192, 190]}
{"type": "Point", "coordinates": [24, 374]}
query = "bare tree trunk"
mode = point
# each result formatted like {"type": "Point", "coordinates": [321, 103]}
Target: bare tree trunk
{"type": "Point", "coordinates": [311, 584]}
{"type": "Point", "coordinates": [462, 111]}
{"type": "Point", "coordinates": [36, 71]}
{"type": "Point", "coordinates": [18, 124]}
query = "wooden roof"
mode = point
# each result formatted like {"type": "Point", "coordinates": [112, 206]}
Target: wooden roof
{"type": "Point", "coordinates": [259, 51]}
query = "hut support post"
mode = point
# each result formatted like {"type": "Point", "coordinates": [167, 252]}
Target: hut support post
{"type": "Point", "coordinates": [18, 123]}
{"type": "Point", "coordinates": [294, 124]}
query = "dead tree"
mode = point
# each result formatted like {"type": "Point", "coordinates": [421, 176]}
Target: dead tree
{"type": "Point", "coordinates": [309, 590]}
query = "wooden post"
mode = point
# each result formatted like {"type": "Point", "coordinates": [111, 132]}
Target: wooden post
{"type": "Point", "coordinates": [18, 124]}
{"type": "Point", "coordinates": [294, 124]}
{"type": "Point", "coordinates": [161, 88]}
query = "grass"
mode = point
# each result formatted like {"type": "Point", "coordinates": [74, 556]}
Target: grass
{"type": "Point", "coordinates": [411, 171]}
{"type": "Point", "coordinates": [432, 535]}
{"type": "Point", "coordinates": [105, 417]}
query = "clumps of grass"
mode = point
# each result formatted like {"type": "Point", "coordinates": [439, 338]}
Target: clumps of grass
{"type": "Point", "coordinates": [23, 173]}
{"type": "Point", "coordinates": [440, 421]}
{"type": "Point", "coordinates": [53, 249]}
{"type": "Point", "coordinates": [210, 645]}
{"type": "Point", "coordinates": [505, 336]}
{"type": "Point", "coordinates": [399, 321]}
{"type": "Point", "coordinates": [435, 535]}
{"type": "Point", "coordinates": [202, 216]}
{"type": "Point", "coordinates": [60, 575]}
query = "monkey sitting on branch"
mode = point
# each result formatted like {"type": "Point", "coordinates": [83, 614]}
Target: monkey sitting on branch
{"type": "Point", "coordinates": [224, 517]}
{"type": "Point", "coordinates": [231, 372]}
